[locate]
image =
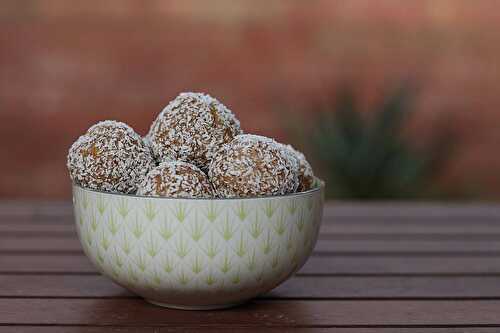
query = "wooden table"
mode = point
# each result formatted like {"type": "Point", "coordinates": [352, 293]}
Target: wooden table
{"type": "Point", "coordinates": [376, 268]}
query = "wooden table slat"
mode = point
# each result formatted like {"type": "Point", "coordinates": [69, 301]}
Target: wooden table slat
{"type": "Point", "coordinates": [377, 267]}
{"type": "Point", "coordinates": [148, 329]}
{"type": "Point", "coordinates": [135, 312]}
{"type": "Point", "coordinates": [298, 287]}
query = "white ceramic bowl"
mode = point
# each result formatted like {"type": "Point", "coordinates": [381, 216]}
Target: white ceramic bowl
{"type": "Point", "coordinates": [197, 253]}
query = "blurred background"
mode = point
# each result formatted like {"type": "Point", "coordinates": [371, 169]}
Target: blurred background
{"type": "Point", "coordinates": [388, 99]}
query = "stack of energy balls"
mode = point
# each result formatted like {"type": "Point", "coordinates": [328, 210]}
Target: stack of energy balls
{"type": "Point", "coordinates": [194, 149]}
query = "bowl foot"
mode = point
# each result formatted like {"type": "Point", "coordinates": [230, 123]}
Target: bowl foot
{"type": "Point", "coordinates": [194, 307]}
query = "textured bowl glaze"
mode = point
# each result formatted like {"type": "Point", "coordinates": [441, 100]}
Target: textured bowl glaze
{"type": "Point", "coordinates": [197, 253]}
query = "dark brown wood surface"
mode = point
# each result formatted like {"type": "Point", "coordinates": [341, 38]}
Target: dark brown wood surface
{"type": "Point", "coordinates": [382, 267]}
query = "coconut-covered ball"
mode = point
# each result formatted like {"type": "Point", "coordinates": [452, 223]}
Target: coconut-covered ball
{"type": "Point", "coordinates": [176, 179]}
{"type": "Point", "coordinates": [110, 157]}
{"type": "Point", "coordinates": [191, 128]}
{"type": "Point", "coordinates": [306, 175]}
{"type": "Point", "coordinates": [253, 165]}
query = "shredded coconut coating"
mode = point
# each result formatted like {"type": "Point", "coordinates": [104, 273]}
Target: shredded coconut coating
{"type": "Point", "coordinates": [176, 179]}
{"type": "Point", "coordinates": [191, 128]}
{"type": "Point", "coordinates": [110, 157]}
{"type": "Point", "coordinates": [306, 175]}
{"type": "Point", "coordinates": [253, 165]}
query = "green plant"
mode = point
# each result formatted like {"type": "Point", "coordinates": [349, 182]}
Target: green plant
{"type": "Point", "coordinates": [371, 157]}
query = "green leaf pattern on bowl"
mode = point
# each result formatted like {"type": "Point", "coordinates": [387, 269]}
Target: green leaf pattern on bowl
{"type": "Point", "coordinates": [183, 247]}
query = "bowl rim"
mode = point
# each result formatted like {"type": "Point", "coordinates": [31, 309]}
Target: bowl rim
{"type": "Point", "coordinates": [320, 185]}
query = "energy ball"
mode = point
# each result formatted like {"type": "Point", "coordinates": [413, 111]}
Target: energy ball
{"type": "Point", "coordinates": [176, 179]}
{"type": "Point", "coordinates": [253, 165]}
{"type": "Point", "coordinates": [306, 175]}
{"type": "Point", "coordinates": [110, 157]}
{"type": "Point", "coordinates": [191, 128]}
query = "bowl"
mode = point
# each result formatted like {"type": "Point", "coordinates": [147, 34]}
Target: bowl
{"type": "Point", "coordinates": [197, 253]}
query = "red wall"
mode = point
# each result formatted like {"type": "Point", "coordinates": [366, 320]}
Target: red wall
{"type": "Point", "coordinates": [66, 64]}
